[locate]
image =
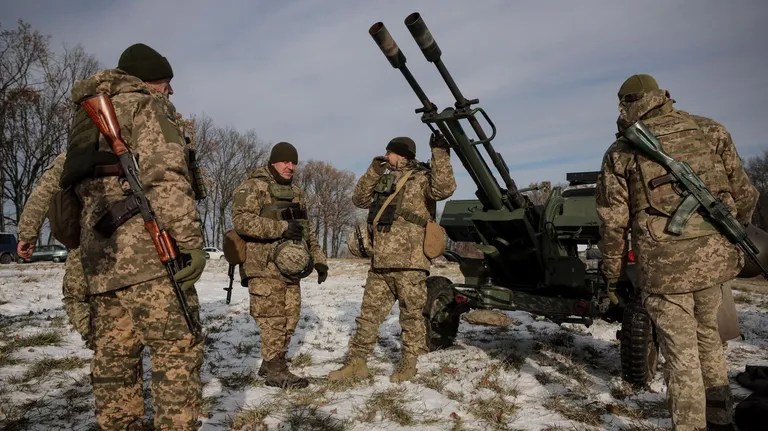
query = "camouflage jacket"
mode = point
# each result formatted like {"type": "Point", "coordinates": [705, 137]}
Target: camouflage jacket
{"type": "Point", "coordinates": [402, 247]}
{"type": "Point", "coordinates": [262, 233]}
{"type": "Point", "coordinates": [698, 258]}
{"type": "Point", "coordinates": [36, 207]}
{"type": "Point", "coordinates": [148, 126]}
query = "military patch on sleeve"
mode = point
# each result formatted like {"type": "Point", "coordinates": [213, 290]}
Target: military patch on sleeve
{"type": "Point", "coordinates": [240, 197]}
{"type": "Point", "coordinates": [170, 130]}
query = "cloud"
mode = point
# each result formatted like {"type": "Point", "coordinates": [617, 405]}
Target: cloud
{"type": "Point", "coordinates": [546, 73]}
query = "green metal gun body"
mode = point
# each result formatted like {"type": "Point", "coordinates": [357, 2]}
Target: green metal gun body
{"type": "Point", "coordinates": [231, 274]}
{"type": "Point", "coordinates": [698, 195]}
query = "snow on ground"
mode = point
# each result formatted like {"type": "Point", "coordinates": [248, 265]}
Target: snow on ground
{"type": "Point", "coordinates": [531, 375]}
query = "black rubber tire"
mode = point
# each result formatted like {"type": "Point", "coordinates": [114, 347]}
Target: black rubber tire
{"type": "Point", "coordinates": [440, 299]}
{"type": "Point", "coordinates": [639, 347]}
{"type": "Point", "coordinates": [6, 258]}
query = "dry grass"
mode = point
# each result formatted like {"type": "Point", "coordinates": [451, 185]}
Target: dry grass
{"type": "Point", "coordinates": [240, 380]}
{"type": "Point", "coordinates": [45, 366]}
{"type": "Point", "coordinates": [251, 418]}
{"type": "Point", "coordinates": [312, 418]}
{"type": "Point", "coordinates": [392, 404]}
{"type": "Point", "coordinates": [301, 360]}
{"type": "Point", "coordinates": [494, 411]}
{"type": "Point", "coordinates": [573, 407]}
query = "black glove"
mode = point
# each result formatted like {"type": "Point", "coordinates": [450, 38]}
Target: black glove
{"type": "Point", "coordinates": [322, 272]}
{"type": "Point", "coordinates": [379, 164]}
{"type": "Point", "coordinates": [437, 140]}
{"type": "Point", "coordinates": [294, 231]}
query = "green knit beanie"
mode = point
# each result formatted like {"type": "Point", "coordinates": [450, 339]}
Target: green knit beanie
{"type": "Point", "coordinates": [284, 152]}
{"type": "Point", "coordinates": [145, 63]}
{"type": "Point", "coordinates": [638, 84]}
{"type": "Point", "coordinates": [403, 146]}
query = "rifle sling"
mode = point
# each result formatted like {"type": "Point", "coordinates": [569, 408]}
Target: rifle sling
{"type": "Point", "coordinates": [660, 181]}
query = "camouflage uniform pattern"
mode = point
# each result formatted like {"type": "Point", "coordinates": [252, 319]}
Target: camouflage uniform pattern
{"type": "Point", "coordinates": [74, 290]}
{"type": "Point", "coordinates": [132, 301]}
{"type": "Point", "coordinates": [680, 276]}
{"type": "Point", "coordinates": [399, 267]}
{"type": "Point", "coordinates": [275, 301]}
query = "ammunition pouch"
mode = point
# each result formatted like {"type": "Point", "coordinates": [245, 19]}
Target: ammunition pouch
{"type": "Point", "coordinates": [64, 217]}
{"type": "Point", "coordinates": [235, 248]}
{"type": "Point", "coordinates": [198, 185]}
{"type": "Point", "coordinates": [117, 215]}
{"type": "Point", "coordinates": [385, 220]}
{"type": "Point", "coordinates": [283, 210]}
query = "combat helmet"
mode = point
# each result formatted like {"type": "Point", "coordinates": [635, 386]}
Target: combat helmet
{"type": "Point", "coordinates": [293, 259]}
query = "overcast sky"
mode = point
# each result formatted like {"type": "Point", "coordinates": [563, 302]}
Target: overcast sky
{"type": "Point", "coordinates": [546, 72]}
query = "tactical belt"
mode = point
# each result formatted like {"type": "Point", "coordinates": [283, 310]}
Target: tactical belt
{"type": "Point", "coordinates": [411, 217]}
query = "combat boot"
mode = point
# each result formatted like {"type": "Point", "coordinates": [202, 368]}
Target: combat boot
{"type": "Point", "coordinates": [405, 371]}
{"type": "Point", "coordinates": [278, 375]}
{"type": "Point", "coordinates": [262, 369]}
{"type": "Point", "coordinates": [355, 368]}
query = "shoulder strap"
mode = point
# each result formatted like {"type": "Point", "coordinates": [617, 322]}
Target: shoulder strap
{"type": "Point", "coordinates": [386, 203]}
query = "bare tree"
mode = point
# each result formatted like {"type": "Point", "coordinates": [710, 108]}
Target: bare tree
{"type": "Point", "coordinates": [757, 169]}
{"type": "Point", "coordinates": [329, 202]}
{"type": "Point", "coordinates": [35, 108]}
{"type": "Point", "coordinates": [226, 157]}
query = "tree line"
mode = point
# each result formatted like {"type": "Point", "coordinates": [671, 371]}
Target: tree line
{"type": "Point", "coordinates": [35, 113]}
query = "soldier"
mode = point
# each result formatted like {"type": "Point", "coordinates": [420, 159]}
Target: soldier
{"type": "Point", "coordinates": [680, 276]}
{"type": "Point", "coordinates": [269, 213]}
{"type": "Point", "coordinates": [35, 211]}
{"type": "Point", "coordinates": [398, 266]}
{"type": "Point", "coordinates": [131, 298]}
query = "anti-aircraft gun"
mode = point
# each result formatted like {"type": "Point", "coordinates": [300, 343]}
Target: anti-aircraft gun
{"type": "Point", "coordinates": [530, 253]}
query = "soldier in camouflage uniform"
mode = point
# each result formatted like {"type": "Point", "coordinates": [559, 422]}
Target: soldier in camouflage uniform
{"type": "Point", "coordinates": [398, 266]}
{"type": "Point", "coordinates": [269, 212]}
{"type": "Point", "coordinates": [35, 211]}
{"type": "Point", "coordinates": [132, 301]}
{"type": "Point", "coordinates": [680, 276]}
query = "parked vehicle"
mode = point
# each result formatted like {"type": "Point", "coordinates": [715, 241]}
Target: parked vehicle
{"type": "Point", "coordinates": [47, 253]}
{"type": "Point", "coordinates": [213, 253]}
{"type": "Point", "coordinates": [7, 248]}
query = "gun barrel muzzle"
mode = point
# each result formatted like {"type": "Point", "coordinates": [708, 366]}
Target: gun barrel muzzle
{"type": "Point", "coordinates": [423, 37]}
{"type": "Point", "coordinates": [381, 36]}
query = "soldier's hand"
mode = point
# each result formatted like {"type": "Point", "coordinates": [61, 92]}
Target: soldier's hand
{"type": "Point", "coordinates": [379, 164]}
{"type": "Point", "coordinates": [322, 272]}
{"type": "Point", "coordinates": [294, 231]}
{"type": "Point", "coordinates": [188, 276]}
{"type": "Point", "coordinates": [437, 140]}
{"type": "Point", "coordinates": [24, 249]}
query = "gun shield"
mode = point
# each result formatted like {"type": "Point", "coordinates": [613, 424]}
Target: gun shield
{"type": "Point", "coordinates": [381, 36]}
{"type": "Point", "coordinates": [423, 37]}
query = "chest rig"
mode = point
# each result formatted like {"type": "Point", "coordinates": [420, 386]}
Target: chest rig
{"type": "Point", "coordinates": [385, 187]}
{"type": "Point", "coordinates": [282, 206]}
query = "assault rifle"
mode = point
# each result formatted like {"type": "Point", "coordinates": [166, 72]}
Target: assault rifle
{"type": "Point", "coordinates": [698, 196]}
{"type": "Point", "coordinates": [231, 274]}
{"type": "Point", "coordinates": [102, 113]}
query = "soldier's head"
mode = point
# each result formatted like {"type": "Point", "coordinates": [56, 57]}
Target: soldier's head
{"type": "Point", "coordinates": [400, 149]}
{"type": "Point", "coordinates": [148, 65]}
{"type": "Point", "coordinates": [283, 160]}
{"type": "Point", "coordinates": [635, 86]}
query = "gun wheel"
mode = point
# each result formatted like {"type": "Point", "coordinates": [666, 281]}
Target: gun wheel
{"type": "Point", "coordinates": [639, 347]}
{"type": "Point", "coordinates": [441, 314]}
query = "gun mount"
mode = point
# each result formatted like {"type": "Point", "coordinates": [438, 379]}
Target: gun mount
{"type": "Point", "coordinates": [531, 258]}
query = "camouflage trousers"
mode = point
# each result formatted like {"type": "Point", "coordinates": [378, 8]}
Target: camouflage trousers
{"type": "Point", "coordinates": [75, 294]}
{"type": "Point", "coordinates": [382, 289]}
{"type": "Point", "coordinates": [123, 323]}
{"type": "Point", "coordinates": [275, 306]}
{"type": "Point", "coordinates": [695, 368]}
